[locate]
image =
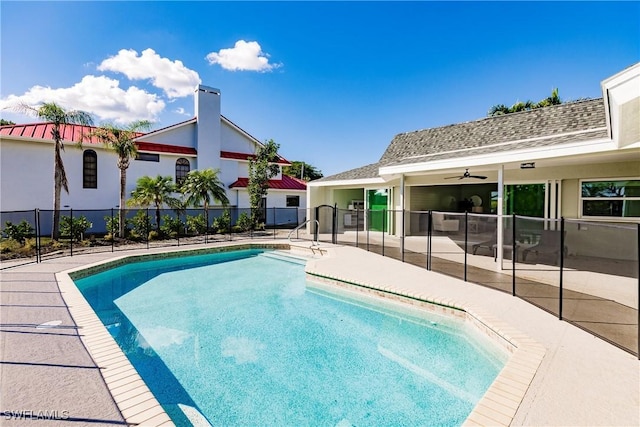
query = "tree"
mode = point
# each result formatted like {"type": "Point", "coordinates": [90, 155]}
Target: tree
{"type": "Point", "coordinates": [554, 99]}
{"type": "Point", "coordinates": [302, 170]}
{"type": "Point", "coordinates": [261, 169]}
{"type": "Point", "coordinates": [121, 141]}
{"type": "Point", "coordinates": [4, 122]}
{"type": "Point", "coordinates": [500, 109]}
{"type": "Point", "coordinates": [202, 186]}
{"type": "Point", "coordinates": [58, 116]}
{"type": "Point", "coordinates": [155, 192]}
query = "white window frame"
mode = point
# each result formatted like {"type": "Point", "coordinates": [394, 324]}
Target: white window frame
{"type": "Point", "coordinates": [605, 218]}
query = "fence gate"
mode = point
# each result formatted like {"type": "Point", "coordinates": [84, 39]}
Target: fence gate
{"type": "Point", "coordinates": [327, 220]}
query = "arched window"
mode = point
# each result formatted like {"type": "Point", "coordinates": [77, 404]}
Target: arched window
{"type": "Point", "coordinates": [182, 169]}
{"type": "Point", "coordinates": [89, 169]}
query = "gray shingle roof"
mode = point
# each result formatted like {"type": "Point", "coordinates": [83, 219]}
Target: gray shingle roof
{"type": "Point", "coordinates": [558, 124]}
{"type": "Point", "coordinates": [520, 127]}
{"type": "Point", "coordinates": [364, 172]}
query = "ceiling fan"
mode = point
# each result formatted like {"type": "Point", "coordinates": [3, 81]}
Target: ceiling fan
{"type": "Point", "coordinates": [466, 174]}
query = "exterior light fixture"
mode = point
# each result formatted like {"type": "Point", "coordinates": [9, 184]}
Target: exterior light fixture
{"type": "Point", "coordinates": [528, 165]}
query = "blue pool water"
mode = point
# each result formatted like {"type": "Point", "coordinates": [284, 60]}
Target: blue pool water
{"type": "Point", "coordinates": [246, 340]}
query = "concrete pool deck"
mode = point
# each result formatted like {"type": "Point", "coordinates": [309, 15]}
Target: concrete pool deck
{"type": "Point", "coordinates": [581, 379]}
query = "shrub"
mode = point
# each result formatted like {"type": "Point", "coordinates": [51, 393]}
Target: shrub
{"type": "Point", "coordinates": [74, 227]}
{"type": "Point", "coordinates": [171, 226]}
{"type": "Point", "coordinates": [222, 223]}
{"type": "Point", "coordinates": [18, 232]}
{"type": "Point", "coordinates": [197, 224]}
{"type": "Point", "coordinates": [244, 222]}
{"type": "Point", "coordinates": [153, 235]}
{"type": "Point", "coordinates": [141, 224]}
{"type": "Point", "coordinates": [10, 245]}
{"type": "Point", "coordinates": [113, 225]}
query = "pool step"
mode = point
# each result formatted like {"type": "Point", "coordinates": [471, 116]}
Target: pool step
{"type": "Point", "coordinates": [310, 249]}
{"type": "Point", "coordinates": [285, 256]}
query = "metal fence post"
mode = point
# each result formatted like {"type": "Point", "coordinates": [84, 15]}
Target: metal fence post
{"type": "Point", "coordinates": [367, 213]}
{"type": "Point", "coordinates": [402, 235]}
{"type": "Point", "coordinates": [71, 232]}
{"type": "Point", "coordinates": [466, 238]}
{"type": "Point", "coordinates": [205, 212]}
{"type": "Point", "coordinates": [179, 228]}
{"type": "Point", "coordinates": [383, 216]}
{"type": "Point", "coordinates": [429, 226]}
{"type": "Point", "coordinates": [36, 218]}
{"type": "Point", "coordinates": [113, 233]}
{"type": "Point", "coordinates": [561, 265]}
{"type": "Point", "coordinates": [334, 226]}
{"type": "Point", "coordinates": [146, 227]}
{"type": "Point", "coordinates": [514, 256]}
{"type": "Point", "coordinates": [357, 226]}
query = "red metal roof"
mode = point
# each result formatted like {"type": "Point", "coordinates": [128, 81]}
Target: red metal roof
{"type": "Point", "coordinates": [73, 132]}
{"type": "Point", "coordinates": [286, 183]}
{"type": "Point", "coordinates": [69, 132]}
{"type": "Point", "coordinates": [244, 156]}
{"type": "Point", "coordinates": [165, 148]}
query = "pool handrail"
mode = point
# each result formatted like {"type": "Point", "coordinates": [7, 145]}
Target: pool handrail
{"type": "Point", "coordinates": [314, 242]}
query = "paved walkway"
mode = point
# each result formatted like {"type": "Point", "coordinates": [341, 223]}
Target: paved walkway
{"type": "Point", "coordinates": [582, 380]}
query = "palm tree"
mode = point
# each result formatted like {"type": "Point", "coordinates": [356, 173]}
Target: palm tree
{"type": "Point", "coordinates": [121, 141]}
{"type": "Point", "coordinates": [202, 186]}
{"type": "Point", "coordinates": [554, 99]}
{"type": "Point", "coordinates": [58, 116]}
{"type": "Point", "coordinates": [156, 192]}
{"type": "Point", "coordinates": [498, 110]}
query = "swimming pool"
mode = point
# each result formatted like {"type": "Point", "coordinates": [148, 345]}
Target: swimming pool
{"type": "Point", "coordinates": [203, 333]}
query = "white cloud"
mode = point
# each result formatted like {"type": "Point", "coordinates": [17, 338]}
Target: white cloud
{"type": "Point", "coordinates": [244, 56]}
{"type": "Point", "coordinates": [99, 95]}
{"type": "Point", "coordinates": [181, 111]}
{"type": "Point", "coordinates": [172, 77]}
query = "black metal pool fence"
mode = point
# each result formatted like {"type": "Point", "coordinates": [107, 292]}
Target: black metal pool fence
{"type": "Point", "coordinates": [583, 272]}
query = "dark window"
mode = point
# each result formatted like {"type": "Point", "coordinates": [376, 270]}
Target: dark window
{"type": "Point", "coordinates": [89, 169]}
{"type": "Point", "coordinates": [148, 157]}
{"type": "Point", "coordinates": [182, 169]}
{"type": "Point", "coordinates": [293, 201]}
{"type": "Point", "coordinates": [619, 198]}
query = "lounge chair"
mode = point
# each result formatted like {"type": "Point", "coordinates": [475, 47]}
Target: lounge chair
{"type": "Point", "coordinates": [442, 224]}
{"type": "Point", "coordinates": [550, 243]}
{"type": "Point", "coordinates": [492, 244]}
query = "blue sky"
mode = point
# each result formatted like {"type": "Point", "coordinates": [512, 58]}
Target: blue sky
{"type": "Point", "coordinates": [331, 82]}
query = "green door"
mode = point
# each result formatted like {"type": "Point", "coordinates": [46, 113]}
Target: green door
{"type": "Point", "coordinates": [377, 200]}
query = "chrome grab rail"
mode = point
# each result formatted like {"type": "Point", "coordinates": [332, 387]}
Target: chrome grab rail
{"type": "Point", "coordinates": [314, 242]}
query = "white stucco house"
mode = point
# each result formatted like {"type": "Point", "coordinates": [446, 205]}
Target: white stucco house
{"type": "Point", "coordinates": [209, 140]}
{"type": "Point", "coordinates": [576, 160]}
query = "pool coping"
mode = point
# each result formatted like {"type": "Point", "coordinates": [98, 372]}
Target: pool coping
{"type": "Point", "coordinates": [138, 405]}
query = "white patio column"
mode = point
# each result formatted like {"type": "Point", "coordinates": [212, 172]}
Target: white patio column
{"type": "Point", "coordinates": [500, 239]}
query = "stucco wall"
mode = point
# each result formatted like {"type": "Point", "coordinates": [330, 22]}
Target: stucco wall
{"type": "Point", "coordinates": [232, 140]}
{"type": "Point", "coordinates": [182, 136]}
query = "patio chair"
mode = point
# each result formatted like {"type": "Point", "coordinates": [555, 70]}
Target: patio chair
{"type": "Point", "coordinates": [492, 244]}
{"type": "Point", "coordinates": [549, 244]}
{"type": "Point", "coordinates": [440, 223]}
